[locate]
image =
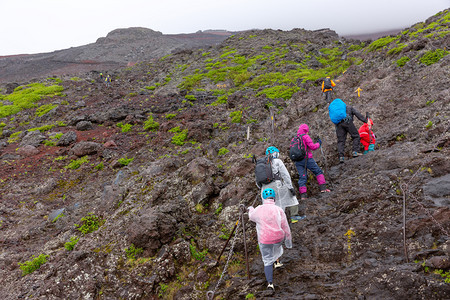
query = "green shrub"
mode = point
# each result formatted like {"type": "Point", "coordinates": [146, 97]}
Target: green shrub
{"type": "Point", "coordinates": [236, 116]}
{"type": "Point", "coordinates": [150, 124]}
{"type": "Point", "coordinates": [402, 61]}
{"type": "Point", "coordinates": [90, 223]}
{"type": "Point", "coordinates": [170, 116]}
{"type": "Point", "coordinates": [33, 264]}
{"type": "Point", "coordinates": [70, 245]}
{"type": "Point", "coordinates": [180, 137]}
{"type": "Point", "coordinates": [380, 43]}
{"type": "Point", "coordinates": [124, 127]}
{"type": "Point", "coordinates": [279, 91]}
{"type": "Point", "coordinates": [14, 137]}
{"type": "Point", "coordinates": [132, 252]}
{"type": "Point", "coordinates": [100, 166]}
{"type": "Point", "coordinates": [190, 97]}
{"type": "Point", "coordinates": [196, 254]}
{"type": "Point", "coordinates": [42, 128]}
{"type": "Point", "coordinates": [220, 100]}
{"type": "Point", "coordinates": [43, 109]}
{"type": "Point", "coordinates": [219, 209]}
{"type": "Point", "coordinates": [223, 151]}
{"type": "Point", "coordinates": [125, 161]}
{"type": "Point", "coordinates": [432, 57]}
{"type": "Point", "coordinates": [396, 49]}
{"type": "Point", "coordinates": [25, 97]}
{"type": "Point", "coordinates": [75, 164]}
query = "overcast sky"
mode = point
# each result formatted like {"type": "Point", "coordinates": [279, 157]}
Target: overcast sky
{"type": "Point", "coordinates": [37, 26]}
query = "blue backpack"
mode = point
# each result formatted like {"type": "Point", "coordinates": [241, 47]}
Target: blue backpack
{"type": "Point", "coordinates": [337, 111]}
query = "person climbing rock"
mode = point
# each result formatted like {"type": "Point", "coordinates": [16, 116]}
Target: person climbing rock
{"type": "Point", "coordinates": [367, 136]}
{"type": "Point", "coordinates": [308, 162]}
{"type": "Point", "coordinates": [272, 229]}
{"type": "Point", "coordinates": [327, 88]}
{"type": "Point", "coordinates": [342, 116]}
{"type": "Point", "coordinates": [282, 185]}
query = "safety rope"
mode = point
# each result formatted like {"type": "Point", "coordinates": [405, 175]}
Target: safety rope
{"type": "Point", "coordinates": [404, 187]}
{"type": "Point", "coordinates": [210, 294]}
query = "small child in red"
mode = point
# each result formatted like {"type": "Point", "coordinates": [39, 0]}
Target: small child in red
{"type": "Point", "coordinates": [367, 136]}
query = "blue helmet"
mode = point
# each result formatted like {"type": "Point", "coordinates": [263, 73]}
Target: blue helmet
{"type": "Point", "coordinates": [271, 150]}
{"type": "Point", "coordinates": [268, 193]}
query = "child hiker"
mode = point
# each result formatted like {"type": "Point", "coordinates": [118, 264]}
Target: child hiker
{"type": "Point", "coordinates": [309, 163]}
{"type": "Point", "coordinates": [272, 229]}
{"type": "Point", "coordinates": [367, 136]}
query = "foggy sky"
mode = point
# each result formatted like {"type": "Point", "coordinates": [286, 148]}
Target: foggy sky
{"type": "Point", "coordinates": [36, 26]}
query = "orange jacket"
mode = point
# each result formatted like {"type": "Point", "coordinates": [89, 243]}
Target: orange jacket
{"type": "Point", "coordinates": [326, 90]}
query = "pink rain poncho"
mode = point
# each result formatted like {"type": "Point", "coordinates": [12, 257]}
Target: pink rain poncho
{"type": "Point", "coordinates": [272, 228]}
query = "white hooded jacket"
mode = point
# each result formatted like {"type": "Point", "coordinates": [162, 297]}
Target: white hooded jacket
{"type": "Point", "coordinates": [283, 197]}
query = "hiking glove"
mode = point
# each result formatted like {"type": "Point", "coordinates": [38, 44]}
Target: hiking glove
{"type": "Point", "coordinates": [292, 191]}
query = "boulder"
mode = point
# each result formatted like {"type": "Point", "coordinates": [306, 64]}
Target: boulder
{"type": "Point", "coordinates": [27, 150]}
{"type": "Point", "coordinates": [67, 139]}
{"type": "Point", "coordinates": [151, 230]}
{"type": "Point", "coordinates": [84, 125]}
{"type": "Point", "coordinates": [85, 148]}
{"type": "Point", "coordinates": [33, 138]}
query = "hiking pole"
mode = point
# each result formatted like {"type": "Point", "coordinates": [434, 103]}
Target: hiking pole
{"type": "Point", "coordinates": [326, 165]}
{"type": "Point", "coordinates": [273, 125]}
{"type": "Point", "coordinates": [370, 128]}
{"type": "Point", "coordinates": [231, 234]}
{"type": "Point", "coordinates": [226, 244]}
{"type": "Point", "coordinates": [245, 240]}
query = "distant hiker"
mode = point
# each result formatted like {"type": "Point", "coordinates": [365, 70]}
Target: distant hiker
{"type": "Point", "coordinates": [108, 80]}
{"type": "Point", "coordinates": [327, 88]}
{"type": "Point", "coordinates": [307, 161]}
{"type": "Point", "coordinates": [272, 229]}
{"type": "Point", "coordinates": [367, 136]}
{"type": "Point", "coordinates": [101, 76]}
{"type": "Point", "coordinates": [281, 184]}
{"type": "Point", "coordinates": [342, 116]}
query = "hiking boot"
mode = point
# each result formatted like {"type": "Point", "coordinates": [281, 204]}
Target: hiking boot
{"type": "Point", "coordinates": [323, 188]}
{"type": "Point", "coordinates": [270, 286]}
{"type": "Point", "coordinates": [298, 218]}
{"type": "Point", "coordinates": [303, 196]}
{"type": "Point", "coordinates": [293, 220]}
{"type": "Point", "coordinates": [277, 264]}
{"type": "Point", "coordinates": [341, 160]}
{"type": "Point", "coordinates": [356, 154]}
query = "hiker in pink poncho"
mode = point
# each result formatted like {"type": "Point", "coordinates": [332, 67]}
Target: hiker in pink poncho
{"type": "Point", "coordinates": [309, 163]}
{"type": "Point", "coordinates": [272, 228]}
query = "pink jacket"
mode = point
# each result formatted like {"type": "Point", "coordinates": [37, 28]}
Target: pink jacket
{"type": "Point", "coordinates": [310, 145]}
{"type": "Point", "coordinates": [271, 223]}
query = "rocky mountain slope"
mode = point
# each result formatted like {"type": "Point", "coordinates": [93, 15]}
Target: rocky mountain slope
{"type": "Point", "coordinates": [121, 47]}
{"type": "Point", "coordinates": [130, 191]}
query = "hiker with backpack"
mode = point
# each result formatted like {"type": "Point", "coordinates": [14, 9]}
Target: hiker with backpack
{"type": "Point", "coordinates": [367, 136]}
{"type": "Point", "coordinates": [327, 88]}
{"type": "Point", "coordinates": [271, 172]}
{"type": "Point", "coordinates": [342, 116]}
{"type": "Point", "coordinates": [300, 151]}
{"type": "Point", "coordinates": [272, 229]}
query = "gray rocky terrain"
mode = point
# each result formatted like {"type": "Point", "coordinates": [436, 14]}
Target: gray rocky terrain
{"type": "Point", "coordinates": [130, 191]}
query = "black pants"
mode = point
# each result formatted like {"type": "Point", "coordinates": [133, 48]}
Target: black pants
{"type": "Point", "coordinates": [328, 96]}
{"type": "Point", "coordinates": [341, 133]}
